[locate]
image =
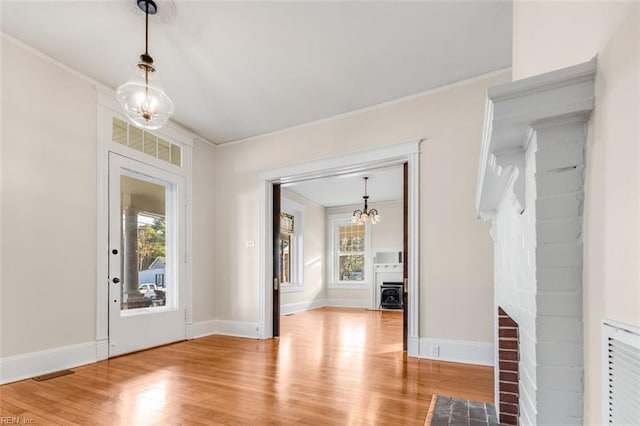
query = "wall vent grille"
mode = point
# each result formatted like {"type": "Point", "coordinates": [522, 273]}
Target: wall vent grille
{"type": "Point", "coordinates": [622, 374]}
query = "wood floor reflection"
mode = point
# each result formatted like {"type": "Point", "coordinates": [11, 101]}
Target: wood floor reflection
{"type": "Point", "coordinates": [330, 366]}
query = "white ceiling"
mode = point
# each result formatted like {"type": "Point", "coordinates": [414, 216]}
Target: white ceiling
{"type": "Point", "coordinates": [384, 184]}
{"type": "Point", "coordinates": [238, 69]}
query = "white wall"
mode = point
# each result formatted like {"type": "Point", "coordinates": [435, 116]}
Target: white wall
{"type": "Point", "coordinates": [204, 237]}
{"type": "Point", "coordinates": [456, 258]}
{"type": "Point", "coordinates": [314, 258]}
{"type": "Point", "coordinates": [49, 206]}
{"type": "Point", "coordinates": [552, 35]}
{"type": "Point", "coordinates": [48, 225]}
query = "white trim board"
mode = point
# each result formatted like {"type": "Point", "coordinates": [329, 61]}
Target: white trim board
{"type": "Point", "coordinates": [462, 351]}
{"type": "Point", "coordinates": [248, 330]}
{"type": "Point", "coordinates": [200, 329]}
{"type": "Point", "coordinates": [307, 305]}
{"type": "Point", "coordinates": [25, 366]}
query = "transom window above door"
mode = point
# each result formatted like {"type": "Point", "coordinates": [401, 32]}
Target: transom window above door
{"type": "Point", "coordinates": [146, 142]}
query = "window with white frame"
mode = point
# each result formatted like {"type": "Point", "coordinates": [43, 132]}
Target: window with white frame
{"type": "Point", "coordinates": [349, 253]}
{"type": "Point", "coordinates": [291, 246]}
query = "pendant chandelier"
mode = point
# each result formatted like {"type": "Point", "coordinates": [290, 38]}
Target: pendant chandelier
{"type": "Point", "coordinates": [361, 216]}
{"type": "Point", "coordinates": [142, 98]}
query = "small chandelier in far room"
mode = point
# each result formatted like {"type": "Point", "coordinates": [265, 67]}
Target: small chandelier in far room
{"type": "Point", "coordinates": [142, 97]}
{"type": "Point", "coordinates": [361, 216]}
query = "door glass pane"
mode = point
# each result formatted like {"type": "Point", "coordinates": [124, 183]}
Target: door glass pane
{"type": "Point", "coordinates": [144, 245]}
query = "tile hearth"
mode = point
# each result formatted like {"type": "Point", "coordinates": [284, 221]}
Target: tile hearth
{"type": "Point", "coordinates": [461, 412]}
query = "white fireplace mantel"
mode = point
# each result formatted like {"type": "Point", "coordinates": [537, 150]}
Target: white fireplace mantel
{"type": "Point", "coordinates": [531, 186]}
{"type": "Point", "coordinates": [383, 272]}
{"type": "Point", "coordinates": [512, 111]}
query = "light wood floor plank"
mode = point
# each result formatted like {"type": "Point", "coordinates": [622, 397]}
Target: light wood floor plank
{"type": "Point", "coordinates": [330, 366]}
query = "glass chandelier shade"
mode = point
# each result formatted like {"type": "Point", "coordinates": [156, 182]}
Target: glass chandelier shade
{"type": "Point", "coordinates": [142, 98]}
{"type": "Point", "coordinates": [365, 215]}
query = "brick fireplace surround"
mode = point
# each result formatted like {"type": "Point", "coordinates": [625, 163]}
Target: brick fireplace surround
{"type": "Point", "coordinates": [508, 359]}
{"type": "Point", "coordinates": [531, 187]}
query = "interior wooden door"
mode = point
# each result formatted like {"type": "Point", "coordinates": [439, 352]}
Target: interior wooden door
{"type": "Point", "coordinates": [405, 253]}
{"type": "Point", "coordinates": [277, 259]}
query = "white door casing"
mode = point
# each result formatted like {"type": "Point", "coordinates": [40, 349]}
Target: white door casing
{"type": "Point", "coordinates": [107, 110]}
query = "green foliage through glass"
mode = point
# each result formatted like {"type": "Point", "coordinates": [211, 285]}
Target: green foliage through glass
{"type": "Point", "coordinates": [151, 240]}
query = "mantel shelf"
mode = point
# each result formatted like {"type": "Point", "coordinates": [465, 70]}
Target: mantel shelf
{"type": "Point", "coordinates": [513, 111]}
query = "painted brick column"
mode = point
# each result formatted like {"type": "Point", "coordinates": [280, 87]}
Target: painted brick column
{"type": "Point", "coordinates": [559, 200]}
{"type": "Point", "coordinates": [531, 186]}
{"type": "Point", "coordinates": [508, 360]}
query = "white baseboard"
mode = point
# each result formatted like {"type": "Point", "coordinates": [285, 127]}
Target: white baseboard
{"type": "Point", "coordinates": [25, 366]}
{"type": "Point", "coordinates": [479, 353]}
{"type": "Point", "coordinates": [251, 330]}
{"type": "Point", "coordinates": [20, 367]}
{"type": "Point", "coordinates": [102, 349]}
{"type": "Point", "coordinates": [413, 347]}
{"type": "Point", "coordinates": [201, 329]}
{"type": "Point", "coordinates": [307, 305]}
{"type": "Point", "coordinates": [347, 303]}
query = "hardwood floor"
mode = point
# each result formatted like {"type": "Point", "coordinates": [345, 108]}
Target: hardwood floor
{"type": "Point", "coordinates": [330, 366]}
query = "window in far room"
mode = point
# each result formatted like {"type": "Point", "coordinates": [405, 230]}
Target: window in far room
{"type": "Point", "coordinates": [291, 247]}
{"type": "Point", "coordinates": [286, 231]}
{"type": "Point", "coordinates": [349, 252]}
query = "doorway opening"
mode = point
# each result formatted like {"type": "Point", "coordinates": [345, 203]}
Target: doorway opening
{"type": "Point", "coordinates": [403, 156]}
{"type": "Point", "coordinates": [325, 258]}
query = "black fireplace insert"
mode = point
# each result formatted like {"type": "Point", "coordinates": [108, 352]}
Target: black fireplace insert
{"type": "Point", "coordinates": [391, 295]}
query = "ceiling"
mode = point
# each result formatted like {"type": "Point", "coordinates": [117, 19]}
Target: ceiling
{"type": "Point", "coordinates": [238, 69]}
{"type": "Point", "coordinates": [384, 184]}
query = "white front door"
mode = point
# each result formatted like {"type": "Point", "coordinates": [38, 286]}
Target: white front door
{"type": "Point", "coordinates": [146, 256]}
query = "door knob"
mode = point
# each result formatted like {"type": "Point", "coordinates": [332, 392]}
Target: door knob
{"type": "Point", "coordinates": [116, 280]}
